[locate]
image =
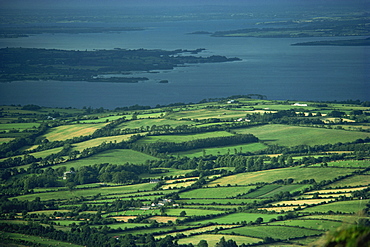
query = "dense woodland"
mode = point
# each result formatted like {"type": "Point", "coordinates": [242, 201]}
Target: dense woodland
{"type": "Point", "coordinates": [164, 175]}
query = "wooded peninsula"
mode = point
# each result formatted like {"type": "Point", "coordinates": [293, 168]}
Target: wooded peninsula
{"type": "Point", "coordinates": [97, 65]}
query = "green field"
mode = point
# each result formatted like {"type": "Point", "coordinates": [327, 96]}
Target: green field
{"type": "Point", "coordinates": [275, 232]}
{"type": "Point", "coordinates": [97, 141]}
{"type": "Point", "coordinates": [182, 138]}
{"type": "Point", "coordinates": [213, 239]}
{"type": "Point", "coordinates": [348, 207]}
{"type": "Point", "coordinates": [35, 240]}
{"type": "Point", "coordinates": [217, 201]}
{"type": "Point", "coordinates": [288, 135]}
{"type": "Point", "coordinates": [62, 195]}
{"type": "Point", "coordinates": [220, 192]}
{"type": "Point", "coordinates": [251, 147]}
{"type": "Point", "coordinates": [149, 122]}
{"type": "Point", "coordinates": [114, 156]}
{"type": "Point", "coordinates": [18, 126]}
{"type": "Point", "coordinates": [297, 173]}
{"type": "Point", "coordinates": [237, 218]}
{"type": "Point", "coordinates": [324, 225]}
{"type": "Point", "coordinates": [191, 212]}
{"type": "Point", "coordinates": [352, 181]}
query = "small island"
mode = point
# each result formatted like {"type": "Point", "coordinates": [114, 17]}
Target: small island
{"type": "Point", "coordinates": [97, 66]}
{"type": "Point", "coordinates": [351, 42]}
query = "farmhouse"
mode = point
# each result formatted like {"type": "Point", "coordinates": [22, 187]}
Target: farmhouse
{"type": "Point", "coordinates": [299, 104]}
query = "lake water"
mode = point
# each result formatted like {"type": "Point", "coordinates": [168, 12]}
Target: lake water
{"type": "Point", "coordinates": [269, 66]}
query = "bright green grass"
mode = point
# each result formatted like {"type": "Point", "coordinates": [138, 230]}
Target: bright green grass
{"type": "Point", "coordinates": [269, 176]}
{"type": "Point", "coordinates": [342, 206]}
{"type": "Point", "coordinates": [41, 154]}
{"type": "Point", "coordinates": [213, 239]}
{"type": "Point", "coordinates": [147, 123]}
{"type": "Point", "coordinates": [287, 135]}
{"type": "Point", "coordinates": [36, 239]}
{"type": "Point", "coordinates": [65, 132]}
{"type": "Point", "coordinates": [352, 181]}
{"type": "Point", "coordinates": [346, 219]}
{"type": "Point", "coordinates": [191, 211]}
{"type": "Point", "coordinates": [18, 126]}
{"type": "Point", "coordinates": [324, 225]}
{"type": "Point", "coordinates": [217, 192]}
{"type": "Point", "coordinates": [237, 218]}
{"type": "Point", "coordinates": [262, 191]}
{"type": "Point", "coordinates": [276, 232]}
{"type": "Point", "coordinates": [217, 201]}
{"type": "Point", "coordinates": [114, 156]}
{"type": "Point", "coordinates": [183, 138]}
{"type": "Point", "coordinates": [251, 147]}
{"type": "Point", "coordinates": [63, 195]}
{"type": "Point", "coordinates": [279, 107]}
{"type": "Point", "coordinates": [290, 188]}
{"type": "Point", "coordinates": [154, 230]}
{"type": "Point", "coordinates": [348, 163]}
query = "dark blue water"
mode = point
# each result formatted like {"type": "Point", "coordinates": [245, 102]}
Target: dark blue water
{"type": "Point", "coordinates": [271, 67]}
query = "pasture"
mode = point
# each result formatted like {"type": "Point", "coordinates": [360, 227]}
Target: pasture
{"type": "Point", "coordinates": [191, 211]}
{"type": "Point", "coordinates": [217, 201]}
{"type": "Point", "coordinates": [149, 122]}
{"type": "Point", "coordinates": [237, 218]}
{"type": "Point", "coordinates": [213, 239]}
{"type": "Point", "coordinates": [324, 225]}
{"type": "Point", "coordinates": [182, 138]}
{"type": "Point", "coordinates": [207, 113]}
{"type": "Point", "coordinates": [35, 240]}
{"type": "Point", "coordinates": [276, 232]}
{"type": "Point", "coordinates": [197, 230]}
{"type": "Point", "coordinates": [353, 181]}
{"type": "Point", "coordinates": [222, 150]}
{"type": "Point", "coordinates": [347, 207]}
{"type": "Point", "coordinates": [287, 135]}
{"type": "Point", "coordinates": [269, 176]}
{"type": "Point", "coordinates": [113, 156]}
{"type": "Point", "coordinates": [217, 192]}
{"type": "Point", "coordinates": [111, 190]}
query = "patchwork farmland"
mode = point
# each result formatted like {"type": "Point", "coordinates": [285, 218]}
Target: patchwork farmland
{"type": "Point", "coordinates": [226, 171]}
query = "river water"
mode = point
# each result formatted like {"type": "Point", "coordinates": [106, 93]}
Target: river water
{"type": "Point", "coordinates": [269, 66]}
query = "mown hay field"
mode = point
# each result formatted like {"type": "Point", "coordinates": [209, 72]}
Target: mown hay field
{"type": "Point", "coordinates": [65, 132]}
{"type": "Point", "coordinates": [287, 135]}
{"type": "Point", "coordinates": [97, 141]}
{"type": "Point", "coordinates": [269, 176]}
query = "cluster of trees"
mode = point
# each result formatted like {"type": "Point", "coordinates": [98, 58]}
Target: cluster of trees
{"type": "Point", "coordinates": [106, 172]}
{"type": "Point", "coordinates": [170, 147]}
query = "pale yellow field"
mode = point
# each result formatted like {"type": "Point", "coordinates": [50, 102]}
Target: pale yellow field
{"type": "Point", "coordinates": [303, 202]}
{"type": "Point", "coordinates": [124, 218]}
{"type": "Point", "coordinates": [97, 141]}
{"type": "Point", "coordinates": [163, 219]}
{"type": "Point", "coordinates": [280, 209]}
{"type": "Point", "coordinates": [65, 132]}
{"type": "Point", "coordinates": [308, 196]}
{"type": "Point", "coordinates": [332, 191]}
{"type": "Point", "coordinates": [181, 179]}
{"type": "Point", "coordinates": [177, 185]}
